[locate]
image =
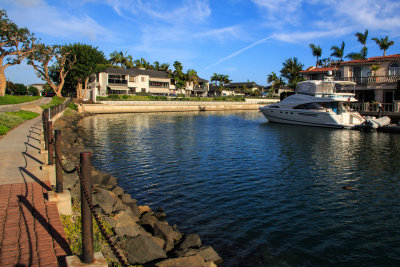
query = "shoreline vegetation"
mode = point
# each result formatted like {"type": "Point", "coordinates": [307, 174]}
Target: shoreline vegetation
{"type": "Point", "coordinates": [10, 120]}
{"type": "Point", "coordinates": [142, 234]}
{"type": "Point", "coordinates": [166, 98]}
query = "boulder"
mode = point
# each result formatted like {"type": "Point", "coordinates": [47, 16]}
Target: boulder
{"type": "Point", "coordinates": [99, 177]}
{"type": "Point", "coordinates": [105, 199]}
{"type": "Point", "coordinates": [161, 216]}
{"type": "Point", "coordinates": [149, 220]}
{"type": "Point", "coordinates": [118, 191]}
{"type": "Point", "coordinates": [195, 260]}
{"type": "Point", "coordinates": [142, 249]}
{"type": "Point", "coordinates": [207, 253]}
{"type": "Point", "coordinates": [144, 208]}
{"type": "Point", "coordinates": [166, 232]}
{"type": "Point", "coordinates": [127, 198]}
{"type": "Point", "coordinates": [118, 206]}
{"type": "Point", "coordinates": [132, 204]}
{"type": "Point", "coordinates": [191, 241]}
{"type": "Point", "coordinates": [159, 241]}
{"type": "Point", "coordinates": [70, 180]}
{"type": "Point", "coordinates": [126, 225]}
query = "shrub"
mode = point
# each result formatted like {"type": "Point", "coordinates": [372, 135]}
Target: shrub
{"type": "Point", "coordinates": [72, 106]}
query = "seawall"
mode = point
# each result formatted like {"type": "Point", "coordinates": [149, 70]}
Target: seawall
{"type": "Point", "coordinates": [168, 106]}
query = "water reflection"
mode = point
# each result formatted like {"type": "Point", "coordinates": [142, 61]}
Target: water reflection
{"type": "Point", "coordinates": [261, 194]}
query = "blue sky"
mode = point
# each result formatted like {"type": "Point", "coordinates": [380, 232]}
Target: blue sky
{"type": "Point", "coordinates": [244, 39]}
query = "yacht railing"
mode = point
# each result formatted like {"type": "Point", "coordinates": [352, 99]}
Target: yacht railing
{"type": "Point", "coordinates": [374, 107]}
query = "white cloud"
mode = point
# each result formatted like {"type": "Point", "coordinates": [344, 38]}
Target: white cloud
{"type": "Point", "coordinates": [42, 18]}
{"type": "Point", "coordinates": [221, 34]}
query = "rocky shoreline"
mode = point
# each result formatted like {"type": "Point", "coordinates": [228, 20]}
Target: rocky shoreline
{"type": "Point", "coordinates": [144, 235]}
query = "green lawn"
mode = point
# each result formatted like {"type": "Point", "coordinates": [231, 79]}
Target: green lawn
{"type": "Point", "coordinates": [16, 99]}
{"type": "Point", "coordinates": [55, 101]}
{"type": "Point", "coordinates": [9, 120]}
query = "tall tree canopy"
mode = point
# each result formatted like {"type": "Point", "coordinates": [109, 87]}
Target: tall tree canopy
{"type": "Point", "coordinates": [221, 79]}
{"type": "Point", "coordinates": [15, 45]}
{"type": "Point", "coordinates": [316, 52]}
{"type": "Point", "coordinates": [383, 44]}
{"type": "Point", "coordinates": [291, 71]}
{"type": "Point", "coordinates": [89, 60]}
{"type": "Point", "coordinates": [44, 55]}
{"type": "Point", "coordinates": [362, 38]}
{"type": "Point", "coordinates": [337, 51]}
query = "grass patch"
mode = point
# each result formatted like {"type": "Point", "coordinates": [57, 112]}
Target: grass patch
{"type": "Point", "coordinates": [16, 99]}
{"type": "Point", "coordinates": [165, 98]}
{"type": "Point", "coordinates": [55, 101]}
{"type": "Point", "coordinates": [10, 120]}
{"type": "Point", "coordinates": [73, 227]}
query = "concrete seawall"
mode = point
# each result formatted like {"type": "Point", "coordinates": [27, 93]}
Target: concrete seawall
{"type": "Point", "coordinates": [164, 106]}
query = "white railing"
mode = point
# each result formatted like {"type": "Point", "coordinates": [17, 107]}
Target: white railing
{"type": "Point", "coordinates": [374, 107]}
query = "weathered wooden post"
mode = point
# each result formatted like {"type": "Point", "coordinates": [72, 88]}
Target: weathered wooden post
{"type": "Point", "coordinates": [59, 174]}
{"type": "Point", "coordinates": [45, 128]}
{"type": "Point", "coordinates": [50, 143]}
{"type": "Point", "coordinates": [87, 225]}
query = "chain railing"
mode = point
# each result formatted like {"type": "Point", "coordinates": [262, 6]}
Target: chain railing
{"type": "Point", "coordinates": [87, 210]}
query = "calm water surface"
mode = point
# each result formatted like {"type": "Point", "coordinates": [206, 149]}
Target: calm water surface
{"type": "Point", "coordinates": [261, 194]}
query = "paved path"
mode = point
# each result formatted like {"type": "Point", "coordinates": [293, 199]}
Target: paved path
{"type": "Point", "coordinates": [31, 233]}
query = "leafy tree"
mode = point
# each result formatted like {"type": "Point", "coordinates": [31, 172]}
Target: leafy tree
{"type": "Point", "coordinates": [165, 67]}
{"type": "Point", "coordinates": [220, 79]}
{"type": "Point", "coordinates": [316, 51]}
{"type": "Point", "coordinates": [192, 77]}
{"type": "Point", "coordinates": [33, 90]}
{"type": "Point", "coordinates": [291, 71]}
{"type": "Point", "coordinates": [119, 57]}
{"type": "Point", "coordinates": [178, 76]}
{"type": "Point", "coordinates": [383, 44]}
{"type": "Point", "coordinates": [338, 52]}
{"type": "Point", "coordinates": [325, 62]}
{"type": "Point", "coordinates": [275, 81]}
{"type": "Point", "coordinates": [89, 60]}
{"type": "Point", "coordinates": [15, 45]}
{"type": "Point", "coordinates": [43, 55]}
{"type": "Point", "coordinates": [10, 87]}
{"type": "Point", "coordinates": [362, 38]}
{"type": "Point", "coordinates": [375, 68]}
{"type": "Point", "coordinates": [20, 89]}
{"type": "Point", "coordinates": [355, 56]}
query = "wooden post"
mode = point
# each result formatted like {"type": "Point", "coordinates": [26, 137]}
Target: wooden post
{"type": "Point", "coordinates": [59, 174]}
{"type": "Point", "coordinates": [50, 143]}
{"type": "Point", "coordinates": [87, 225]}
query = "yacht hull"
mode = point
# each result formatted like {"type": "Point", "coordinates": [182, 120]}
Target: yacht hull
{"type": "Point", "coordinates": [302, 117]}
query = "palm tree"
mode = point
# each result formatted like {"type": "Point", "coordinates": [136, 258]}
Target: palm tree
{"type": "Point", "coordinates": [277, 82]}
{"type": "Point", "coordinates": [383, 43]}
{"type": "Point", "coordinates": [192, 76]}
{"type": "Point", "coordinates": [362, 38]}
{"type": "Point", "coordinates": [316, 51]}
{"type": "Point", "coordinates": [156, 65]}
{"type": "Point", "coordinates": [338, 51]}
{"type": "Point", "coordinates": [291, 71]}
{"type": "Point", "coordinates": [354, 56]}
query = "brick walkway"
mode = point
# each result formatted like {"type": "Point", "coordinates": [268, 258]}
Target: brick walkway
{"type": "Point", "coordinates": [31, 232]}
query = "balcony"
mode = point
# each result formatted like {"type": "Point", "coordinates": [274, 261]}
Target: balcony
{"type": "Point", "coordinates": [373, 79]}
{"type": "Point", "coordinates": [200, 88]}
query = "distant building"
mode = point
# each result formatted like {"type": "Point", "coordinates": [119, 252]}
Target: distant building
{"type": "Point", "coordinates": [38, 86]}
{"type": "Point", "coordinates": [137, 81]}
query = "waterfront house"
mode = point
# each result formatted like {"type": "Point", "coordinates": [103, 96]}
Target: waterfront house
{"type": "Point", "coordinates": [376, 77]}
{"type": "Point", "coordinates": [139, 81]}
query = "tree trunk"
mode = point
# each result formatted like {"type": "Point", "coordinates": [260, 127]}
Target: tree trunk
{"type": "Point", "coordinates": [79, 90]}
{"type": "Point", "coordinates": [3, 82]}
{"type": "Point", "coordinates": [85, 87]}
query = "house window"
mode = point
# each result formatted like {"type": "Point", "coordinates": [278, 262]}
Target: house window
{"type": "Point", "coordinates": [143, 90]}
{"type": "Point", "coordinates": [394, 69]}
{"type": "Point", "coordinates": [117, 79]}
{"type": "Point", "coordinates": [143, 79]}
{"type": "Point", "coordinates": [132, 79]}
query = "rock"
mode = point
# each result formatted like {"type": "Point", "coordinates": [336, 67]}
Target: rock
{"type": "Point", "coordinates": [160, 209]}
{"type": "Point", "coordinates": [133, 206]}
{"type": "Point", "coordinates": [144, 209]}
{"type": "Point", "coordinates": [143, 249]}
{"type": "Point", "coordinates": [118, 191]}
{"type": "Point", "coordinates": [76, 193]}
{"type": "Point", "coordinates": [99, 177]}
{"type": "Point", "coordinates": [105, 199]}
{"type": "Point", "coordinates": [110, 221]}
{"type": "Point", "coordinates": [161, 216]}
{"type": "Point", "coordinates": [149, 220]}
{"type": "Point", "coordinates": [118, 206]}
{"type": "Point", "coordinates": [159, 241]}
{"type": "Point", "coordinates": [195, 260]}
{"type": "Point", "coordinates": [70, 180]}
{"type": "Point", "coordinates": [191, 241]}
{"type": "Point", "coordinates": [126, 225]}
{"type": "Point", "coordinates": [167, 233]}
{"type": "Point", "coordinates": [127, 198]}
{"type": "Point", "coordinates": [207, 253]}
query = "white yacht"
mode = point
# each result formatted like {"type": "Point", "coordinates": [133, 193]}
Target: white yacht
{"type": "Point", "coordinates": [317, 103]}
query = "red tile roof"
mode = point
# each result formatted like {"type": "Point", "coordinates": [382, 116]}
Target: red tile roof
{"type": "Point", "coordinates": [371, 59]}
{"type": "Point", "coordinates": [310, 70]}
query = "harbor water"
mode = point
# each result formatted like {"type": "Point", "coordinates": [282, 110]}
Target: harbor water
{"type": "Point", "coordinates": [261, 194]}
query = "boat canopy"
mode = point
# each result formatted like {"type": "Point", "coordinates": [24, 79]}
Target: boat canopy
{"type": "Point", "coordinates": [324, 87]}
